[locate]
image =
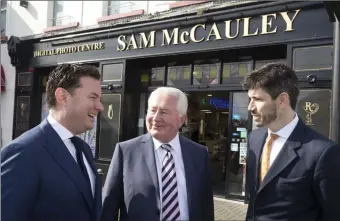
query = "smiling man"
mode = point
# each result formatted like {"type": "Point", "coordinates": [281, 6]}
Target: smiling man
{"type": "Point", "coordinates": [48, 172]}
{"type": "Point", "coordinates": [292, 171]}
{"type": "Point", "coordinates": [160, 175]}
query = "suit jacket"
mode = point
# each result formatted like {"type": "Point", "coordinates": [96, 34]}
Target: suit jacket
{"type": "Point", "coordinates": [303, 183]}
{"type": "Point", "coordinates": [132, 183]}
{"type": "Point", "coordinates": [41, 181]}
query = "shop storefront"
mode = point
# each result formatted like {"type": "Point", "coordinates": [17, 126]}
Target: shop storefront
{"type": "Point", "coordinates": [206, 56]}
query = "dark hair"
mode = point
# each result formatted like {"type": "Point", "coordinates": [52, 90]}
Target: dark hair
{"type": "Point", "coordinates": [274, 78]}
{"type": "Point", "coordinates": [67, 76]}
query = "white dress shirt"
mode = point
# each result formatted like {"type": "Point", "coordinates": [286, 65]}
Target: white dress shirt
{"type": "Point", "coordinates": [180, 174]}
{"type": "Point", "coordinates": [283, 133]}
{"type": "Point", "coordinates": [65, 136]}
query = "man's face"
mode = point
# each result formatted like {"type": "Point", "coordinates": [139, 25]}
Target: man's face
{"type": "Point", "coordinates": [262, 107]}
{"type": "Point", "coordinates": [84, 105]}
{"type": "Point", "coordinates": [162, 119]}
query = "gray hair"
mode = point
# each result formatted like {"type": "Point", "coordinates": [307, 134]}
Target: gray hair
{"type": "Point", "coordinates": [182, 100]}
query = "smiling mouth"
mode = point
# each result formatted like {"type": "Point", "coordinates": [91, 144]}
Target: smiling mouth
{"type": "Point", "coordinates": [92, 115]}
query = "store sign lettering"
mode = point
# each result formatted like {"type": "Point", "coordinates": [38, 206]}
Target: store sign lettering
{"type": "Point", "coordinates": [176, 36]}
{"type": "Point", "coordinates": [70, 49]}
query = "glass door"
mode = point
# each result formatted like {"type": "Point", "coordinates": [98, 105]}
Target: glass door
{"type": "Point", "coordinates": [237, 150]}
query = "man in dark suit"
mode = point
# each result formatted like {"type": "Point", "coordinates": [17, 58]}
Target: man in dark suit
{"type": "Point", "coordinates": [160, 175]}
{"type": "Point", "coordinates": [48, 173]}
{"type": "Point", "coordinates": [292, 171]}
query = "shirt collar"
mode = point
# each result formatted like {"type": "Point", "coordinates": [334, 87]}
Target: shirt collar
{"type": "Point", "coordinates": [63, 133]}
{"type": "Point", "coordinates": [175, 144]}
{"type": "Point", "coordinates": [287, 130]}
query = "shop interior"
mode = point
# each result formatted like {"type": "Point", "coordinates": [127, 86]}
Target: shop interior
{"type": "Point", "coordinates": [207, 124]}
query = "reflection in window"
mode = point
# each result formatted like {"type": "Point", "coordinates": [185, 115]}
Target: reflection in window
{"type": "Point", "coordinates": [157, 76]}
{"type": "Point", "coordinates": [313, 58]}
{"type": "Point", "coordinates": [112, 72]}
{"type": "Point", "coordinates": [179, 75]}
{"type": "Point", "coordinates": [206, 74]}
{"type": "Point", "coordinates": [59, 17]}
{"type": "Point", "coordinates": [3, 17]}
{"type": "Point", "coordinates": [237, 69]}
{"type": "Point", "coordinates": [261, 63]}
{"type": "Point", "coordinates": [238, 144]}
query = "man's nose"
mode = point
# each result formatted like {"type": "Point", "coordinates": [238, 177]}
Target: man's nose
{"type": "Point", "coordinates": [100, 106]}
{"type": "Point", "coordinates": [156, 116]}
{"type": "Point", "coordinates": [250, 106]}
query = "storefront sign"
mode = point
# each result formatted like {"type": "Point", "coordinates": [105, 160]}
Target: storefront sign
{"type": "Point", "coordinates": [241, 27]}
{"type": "Point", "coordinates": [310, 110]}
{"type": "Point", "coordinates": [70, 49]}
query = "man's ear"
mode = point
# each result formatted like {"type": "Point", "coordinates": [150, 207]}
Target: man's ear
{"type": "Point", "coordinates": [182, 119]}
{"type": "Point", "coordinates": [61, 95]}
{"type": "Point", "coordinates": [283, 100]}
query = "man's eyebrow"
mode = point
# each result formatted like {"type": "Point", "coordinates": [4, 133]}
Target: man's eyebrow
{"type": "Point", "coordinates": [95, 94]}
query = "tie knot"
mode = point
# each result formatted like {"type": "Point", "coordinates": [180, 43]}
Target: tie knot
{"type": "Point", "coordinates": [76, 141]}
{"type": "Point", "coordinates": [273, 136]}
{"type": "Point", "coordinates": [166, 147]}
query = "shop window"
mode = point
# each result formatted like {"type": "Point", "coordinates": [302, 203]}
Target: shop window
{"type": "Point", "coordinates": [157, 76]}
{"type": "Point", "coordinates": [238, 144]}
{"type": "Point", "coordinates": [3, 17]}
{"type": "Point", "coordinates": [237, 69]}
{"type": "Point", "coordinates": [144, 77]}
{"type": "Point", "coordinates": [205, 74]}
{"type": "Point", "coordinates": [117, 7]}
{"type": "Point", "coordinates": [259, 64]}
{"type": "Point", "coordinates": [112, 72]}
{"type": "Point", "coordinates": [179, 75]}
{"type": "Point", "coordinates": [313, 58]}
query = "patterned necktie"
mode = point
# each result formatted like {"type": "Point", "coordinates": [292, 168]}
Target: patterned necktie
{"type": "Point", "coordinates": [170, 205]}
{"type": "Point", "coordinates": [265, 160]}
{"type": "Point", "coordinates": [79, 155]}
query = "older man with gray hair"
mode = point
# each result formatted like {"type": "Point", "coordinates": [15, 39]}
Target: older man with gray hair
{"type": "Point", "coordinates": [160, 175]}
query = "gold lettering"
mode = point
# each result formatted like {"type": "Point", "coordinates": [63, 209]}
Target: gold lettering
{"type": "Point", "coordinates": [121, 43]}
{"type": "Point", "coordinates": [132, 43]}
{"type": "Point", "coordinates": [228, 28]}
{"type": "Point", "coordinates": [74, 49]}
{"type": "Point", "coordinates": [150, 42]}
{"type": "Point", "coordinates": [36, 54]}
{"type": "Point", "coordinates": [246, 28]}
{"type": "Point", "coordinates": [266, 24]}
{"type": "Point", "coordinates": [182, 37]}
{"type": "Point", "coordinates": [193, 33]}
{"type": "Point", "coordinates": [174, 34]}
{"type": "Point", "coordinates": [101, 45]}
{"type": "Point", "coordinates": [215, 32]}
{"type": "Point", "coordinates": [96, 46]}
{"type": "Point", "coordinates": [289, 22]}
{"type": "Point", "coordinates": [79, 48]}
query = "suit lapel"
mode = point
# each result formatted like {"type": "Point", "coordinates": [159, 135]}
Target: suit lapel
{"type": "Point", "coordinates": [149, 155]}
{"type": "Point", "coordinates": [285, 156]}
{"type": "Point", "coordinates": [188, 167]}
{"type": "Point", "coordinates": [56, 147]}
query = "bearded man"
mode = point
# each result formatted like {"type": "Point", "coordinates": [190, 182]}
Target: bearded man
{"type": "Point", "coordinates": [292, 171]}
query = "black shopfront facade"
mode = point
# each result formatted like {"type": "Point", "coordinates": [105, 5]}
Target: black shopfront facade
{"type": "Point", "coordinates": [206, 56]}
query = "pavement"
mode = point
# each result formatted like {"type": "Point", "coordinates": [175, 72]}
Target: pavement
{"type": "Point", "coordinates": [229, 209]}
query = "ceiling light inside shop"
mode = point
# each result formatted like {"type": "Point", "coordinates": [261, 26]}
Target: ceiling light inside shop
{"type": "Point", "coordinates": [209, 95]}
{"type": "Point", "coordinates": [205, 110]}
